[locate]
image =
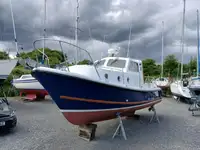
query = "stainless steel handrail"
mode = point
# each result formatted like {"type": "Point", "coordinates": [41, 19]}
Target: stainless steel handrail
{"type": "Point", "coordinates": [60, 41]}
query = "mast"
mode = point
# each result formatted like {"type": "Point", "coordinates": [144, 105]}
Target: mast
{"type": "Point", "coordinates": [182, 51]}
{"type": "Point", "coordinates": [76, 30]}
{"type": "Point", "coordinates": [44, 32]}
{"type": "Point", "coordinates": [197, 42]}
{"type": "Point", "coordinates": [129, 41]}
{"type": "Point", "coordinates": [2, 31]}
{"type": "Point", "coordinates": [13, 22]}
{"type": "Point", "coordinates": [162, 50]}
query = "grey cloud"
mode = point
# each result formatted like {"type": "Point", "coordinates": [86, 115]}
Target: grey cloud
{"type": "Point", "coordinates": [144, 15]}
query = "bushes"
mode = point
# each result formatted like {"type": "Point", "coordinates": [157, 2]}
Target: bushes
{"type": "Point", "coordinates": [7, 87]}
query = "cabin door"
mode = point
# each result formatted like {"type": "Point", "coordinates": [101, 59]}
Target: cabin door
{"type": "Point", "coordinates": [132, 77]}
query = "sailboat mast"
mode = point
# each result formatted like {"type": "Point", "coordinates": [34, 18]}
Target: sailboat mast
{"type": "Point", "coordinates": [162, 49]}
{"type": "Point", "coordinates": [76, 30]}
{"type": "Point", "coordinates": [129, 40]}
{"type": "Point", "coordinates": [197, 42]}
{"type": "Point", "coordinates": [13, 22]}
{"type": "Point", "coordinates": [44, 34]}
{"type": "Point", "coordinates": [183, 27]}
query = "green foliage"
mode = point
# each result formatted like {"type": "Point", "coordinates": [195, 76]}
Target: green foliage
{"type": "Point", "coordinates": [192, 65]}
{"type": "Point", "coordinates": [170, 66]}
{"type": "Point", "coordinates": [84, 62]}
{"type": "Point", "coordinates": [150, 68]}
{"type": "Point", "coordinates": [3, 55]}
{"type": "Point", "coordinates": [54, 56]}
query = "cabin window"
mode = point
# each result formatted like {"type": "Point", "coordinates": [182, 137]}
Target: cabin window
{"type": "Point", "coordinates": [100, 63]}
{"type": "Point", "coordinates": [133, 66]}
{"type": "Point", "coordinates": [116, 63]}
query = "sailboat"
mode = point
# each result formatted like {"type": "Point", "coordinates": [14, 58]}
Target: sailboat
{"type": "Point", "coordinates": [27, 84]}
{"type": "Point", "coordinates": [162, 82]}
{"type": "Point", "coordinates": [179, 88]}
{"type": "Point", "coordinates": [194, 84]}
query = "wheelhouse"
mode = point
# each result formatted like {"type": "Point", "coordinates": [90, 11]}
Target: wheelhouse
{"type": "Point", "coordinates": [121, 70]}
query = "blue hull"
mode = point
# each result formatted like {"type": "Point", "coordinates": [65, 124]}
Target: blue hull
{"type": "Point", "coordinates": [72, 93]}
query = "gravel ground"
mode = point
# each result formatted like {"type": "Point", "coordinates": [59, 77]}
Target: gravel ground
{"type": "Point", "coordinates": [42, 127]}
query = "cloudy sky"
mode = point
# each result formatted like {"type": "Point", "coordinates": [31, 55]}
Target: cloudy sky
{"type": "Point", "coordinates": [104, 24]}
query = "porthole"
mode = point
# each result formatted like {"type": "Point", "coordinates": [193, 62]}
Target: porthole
{"type": "Point", "coordinates": [128, 79]}
{"type": "Point", "coordinates": [106, 76]}
{"type": "Point", "coordinates": [118, 78]}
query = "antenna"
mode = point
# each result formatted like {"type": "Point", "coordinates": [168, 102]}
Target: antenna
{"type": "Point", "coordinates": [44, 34]}
{"type": "Point", "coordinates": [162, 50]}
{"type": "Point", "coordinates": [129, 40]}
{"type": "Point", "coordinates": [197, 42]}
{"type": "Point", "coordinates": [183, 25]}
{"type": "Point", "coordinates": [13, 22]}
{"type": "Point", "coordinates": [76, 30]}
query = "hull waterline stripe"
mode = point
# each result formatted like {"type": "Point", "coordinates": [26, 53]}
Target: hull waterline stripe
{"type": "Point", "coordinates": [104, 101]}
{"type": "Point", "coordinates": [112, 109]}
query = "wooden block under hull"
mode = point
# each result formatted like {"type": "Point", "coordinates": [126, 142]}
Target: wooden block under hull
{"type": "Point", "coordinates": [87, 132]}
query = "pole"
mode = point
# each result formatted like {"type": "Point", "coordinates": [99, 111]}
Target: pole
{"type": "Point", "coordinates": [129, 41]}
{"type": "Point", "coordinates": [44, 34]}
{"type": "Point", "coordinates": [13, 22]}
{"type": "Point", "coordinates": [162, 50]}
{"type": "Point", "coordinates": [183, 25]}
{"type": "Point", "coordinates": [76, 31]}
{"type": "Point", "coordinates": [197, 42]}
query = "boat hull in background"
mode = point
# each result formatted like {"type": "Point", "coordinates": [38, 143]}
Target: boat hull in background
{"type": "Point", "coordinates": [6, 67]}
{"type": "Point", "coordinates": [178, 90]}
{"type": "Point", "coordinates": [29, 86]}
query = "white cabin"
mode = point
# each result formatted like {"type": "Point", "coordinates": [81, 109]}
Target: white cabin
{"type": "Point", "coordinates": [115, 70]}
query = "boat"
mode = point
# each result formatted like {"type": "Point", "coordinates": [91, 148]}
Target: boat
{"type": "Point", "coordinates": [179, 88]}
{"type": "Point", "coordinates": [194, 84]}
{"type": "Point", "coordinates": [97, 92]}
{"type": "Point", "coordinates": [6, 67]}
{"type": "Point", "coordinates": [162, 82]}
{"type": "Point", "coordinates": [28, 85]}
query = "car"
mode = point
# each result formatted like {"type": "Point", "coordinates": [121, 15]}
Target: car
{"type": "Point", "coordinates": [8, 119]}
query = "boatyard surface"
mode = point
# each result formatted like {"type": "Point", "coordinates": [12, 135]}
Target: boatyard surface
{"type": "Point", "coordinates": [42, 127]}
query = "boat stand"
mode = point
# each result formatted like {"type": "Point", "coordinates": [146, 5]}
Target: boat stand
{"type": "Point", "coordinates": [196, 104]}
{"type": "Point", "coordinates": [154, 116]}
{"type": "Point", "coordinates": [120, 128]}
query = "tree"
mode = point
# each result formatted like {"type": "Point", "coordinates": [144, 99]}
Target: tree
{"type": "Point", "coordinates": [54, 56]}
{"type": "Point", "coordinates": [84, 62]}
{"type": "Point", "coordinates": [192, 65]}
{"type": "Point", "coordinates": [170, 66]}
{"type": "Point", "coordinates": [150, 68]}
